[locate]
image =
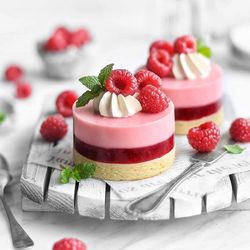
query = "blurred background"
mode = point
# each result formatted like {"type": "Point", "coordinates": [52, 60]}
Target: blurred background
{"type": "Point", "coordinates": [121, 29]}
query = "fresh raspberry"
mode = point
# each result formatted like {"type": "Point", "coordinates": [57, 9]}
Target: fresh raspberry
{"type": "Point", "coordinates": [23, 90]}
{"type": "Point", "coordinates": [79, 37]}
{"type": "Point", "coordinates": [13, 73]}
{"type": "Point", "coordinates": [57, 42]}
{"type": "Point", "coordinates": [62, 31]}
{"type": "Point", "coordinates": [205, 137]}
{"type": "Point", "coordinates": [160, 63]}
{"type": "Point", "coordinates": [121, 81]}
{"type": "Point", "coordinates": [65, 101]}
{"type": "Point", "coordinates": [146, 77]}
{"type": "Point", "coordinates": [162, 44]}
{"type": "Point", "coordinates": [152, 99]}
{"type": "Point", "coordinates": [240, 130]}
{"type": "Point", "coordinates": [185, 44]}
{"type": "Point", "coordinates": [69, 244]}
{"type": "Point", "coordinates": [54, 128]}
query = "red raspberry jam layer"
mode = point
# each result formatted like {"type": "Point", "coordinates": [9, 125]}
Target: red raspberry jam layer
{"type": "Point", "coordinates": [124, 155]}
{"type": "Point", "coordinates": [187, 114]}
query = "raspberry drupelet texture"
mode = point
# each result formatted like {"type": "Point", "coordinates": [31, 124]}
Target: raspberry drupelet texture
{"type": "Point", "coordinates": [240, 130]}
{"type": "Point", "coordinates": [205, 137]}
{"type": "Point", "coordinates": [121, 81]}
{"type": "Point", "coordinates": [69, 244]}
{"type": "Point", "coordinates": [185, 44]}
{"type": "Point", "coordinates": [152, 99]}
{"type": "Point", "coordinates": [146, 77]}
{"type": "Point", "coordinates": [65, 101]}
{"type": "Point", "coordinates": [162, 44]}
{"type": "Point", "coordinates": [54, 128]}
{"type": "Point", "coordinates": [159, 62]}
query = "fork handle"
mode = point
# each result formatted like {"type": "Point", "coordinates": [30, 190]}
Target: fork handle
{"type": "Point", "coordinates": [151, 201]}
{"type": "Point", "coordinates": [20, 238]}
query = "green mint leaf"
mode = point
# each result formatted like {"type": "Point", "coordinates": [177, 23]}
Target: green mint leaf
{"type": "Point", "coordinates": [206, 51]}
{"type": "Point", "coordinates": [203, 49]}
{"type": "Point", "coordinates": [89, 81]}
{"type": "Point", "coordinates": [76, 176]}
{"type": "Point", "coordinates": [105, 73]}
{"type": "Point", "coordinates": [78, 172]}
{"type": "Point", "coordinates": [86, 169]}
{"type": "Point", "coordinates": [234, 149]}
{"type": "Point", "coordinates": [65, 175]}
{"type": "Point", "coordinates": [2, 117]}
{"type": "Point", "coordinates": [88, 95]}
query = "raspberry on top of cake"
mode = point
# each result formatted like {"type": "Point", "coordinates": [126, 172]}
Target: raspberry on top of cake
{"type": "Point", "coordinates": [190, 79]}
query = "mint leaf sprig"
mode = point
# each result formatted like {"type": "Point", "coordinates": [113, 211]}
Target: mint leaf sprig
{"type": "Point", "coordinates": [95, 85]}
{"type": "Point", "coordinates": [78, 172]}
{"type": "Point", "coordinates": [2, 117]}
{"type": "Point", "coordinates": [203, 49]}
{"type": "Point", "coordinates": [105, 73]}
{"type": "Point", "coordinates": [234, 149]}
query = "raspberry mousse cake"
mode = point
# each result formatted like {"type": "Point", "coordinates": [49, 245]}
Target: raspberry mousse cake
{"type": "Point", "coordinates": [63, 52]}
{"type": "Point", "coordinates": [124, 124]}
{"type": "Point", "coordinates": [190, 79]}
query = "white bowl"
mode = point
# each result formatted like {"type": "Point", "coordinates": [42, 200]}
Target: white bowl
{"type": "Point", "coordinates": [65, 64]}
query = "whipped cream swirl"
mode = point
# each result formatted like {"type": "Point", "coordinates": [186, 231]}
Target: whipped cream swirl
{"type": "Point", "coordinates": [112, 105]}
{"type": "Point", "coordinates": [191, 66]}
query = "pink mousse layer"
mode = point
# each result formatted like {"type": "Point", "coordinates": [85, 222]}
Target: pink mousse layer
{"type": "Point", "coordinates": [139, 130]}
{"type": "Point", "coordinates": [195, 93]}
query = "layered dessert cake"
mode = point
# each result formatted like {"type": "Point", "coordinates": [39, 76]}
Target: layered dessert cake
{"type": "Point", "coordinates": [190, 79]}
{"type": "Point", "coordinates": [124, 124]}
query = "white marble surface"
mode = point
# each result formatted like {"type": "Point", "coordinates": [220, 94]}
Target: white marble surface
{"type": "Point", "coordinates": [24, 22]}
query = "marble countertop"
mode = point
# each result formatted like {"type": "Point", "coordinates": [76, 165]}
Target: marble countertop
{"type": "Point", "coordinates": [228, 229]}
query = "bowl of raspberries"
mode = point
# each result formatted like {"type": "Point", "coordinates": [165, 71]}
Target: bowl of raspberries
{"type": "Point", "coordinates": [63, 52]}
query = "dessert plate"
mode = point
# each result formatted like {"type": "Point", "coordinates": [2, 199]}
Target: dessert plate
{"type": "Point", "coordinates": [42, 191]}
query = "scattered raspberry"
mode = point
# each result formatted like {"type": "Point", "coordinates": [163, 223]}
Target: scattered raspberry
{"type": "Point", "coordinates": [146, 77]}
{"type": "Point", "coordinates": [162, 44]}
{"type": "Point", "coordinates": [79, 37]}
{"type": "Point", "coordinates": [23, 90]}
{"type": "Point", "coordinates": [240, 130]}
{"type": "Point", "coordinates": [152, 99]}
{"type": "Point", "coordinates": [54, 128]}
{"type": "Point", "coordinates": [160, 63]}
{"type": "Point", "coordinates": [13, 73]}
{"type": "Point", "coordinates": [69, 244]}
{"type": "Point", "coordinates": [185, 44]}
{"type": "Point", "coordinates": [121, 81]}
{"type": "Point", "coordinates": [205, 137]}
{"type": "Point", "coordinates": [65, 101]}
